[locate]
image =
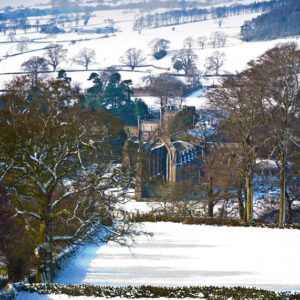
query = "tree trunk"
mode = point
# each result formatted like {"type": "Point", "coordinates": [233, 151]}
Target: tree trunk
{"type": "Point", "coordinates": [281, 220]}
{"type": "Point", "coordinates": [38, 272]}
{"type": "Point", "coordinates": [44, 268]}
{"type": "Point", "coordinates": [210, 197]}
{"type": "Point", "coordinates": [48, 239]}
{"type": "Point", "coordinates": [240, 199]}
{"type": "Point", "coordinates": [249, 200]}
{"type": "Point", "coordinates": [288, 204]}
{"type": "Point", "coordinates": [245, 197]}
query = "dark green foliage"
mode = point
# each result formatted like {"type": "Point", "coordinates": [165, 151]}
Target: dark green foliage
{"type": "Point", "coordinates": [127, 113]}
{"type": "Point", "coordinates": [178, 66]}
{"type": "Point", "coordinates": [62, 74]}
{"type": "Point", "coordinates": [131, 292]}
{"type": "Point", "coordinates": [280, 22]}
{"type": "Point", "coordinates": [98, 86]}
{"type": "Point", "coordinates": [93, 94]}
{"type": "Point", "coordinates": [114, 96]}
{"type": "Point", "coordinates": [160, 54]}
{"type": "Point", "coordinates": [141, 108]}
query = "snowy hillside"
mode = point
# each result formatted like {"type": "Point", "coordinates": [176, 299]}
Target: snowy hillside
{"type": "Point", "coordinates": [33, 3]}
{"type": "Point", "coordinates": [109, 48]}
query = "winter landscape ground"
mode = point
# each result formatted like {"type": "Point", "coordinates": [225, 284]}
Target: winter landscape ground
{"type": "Point", "coordinates": [171, 254]}
{"type": "Point", "coordinates": [183, 255]}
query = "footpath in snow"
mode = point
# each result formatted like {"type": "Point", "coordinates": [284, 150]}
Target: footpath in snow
{"type": "Point", "coordinates": [179, 255]}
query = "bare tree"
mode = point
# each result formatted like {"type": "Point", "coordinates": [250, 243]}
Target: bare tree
{"type": "Point", "coordinates": [77, 19]}
{"type": "Point", "coordinates": [159, 44]}
{"type": "Point", "coordinates": [36, 67]}
{"type": "Point", "coordinates": [139, 24]}
{"type": "Point", "coordinates": [3, 27]}
{"type": "Point", "coordinates": [167, 88]}
{"type": "Point", "coordinates": [186, 58]}
{"type": "Point", "coordinates": [133, 58]}
{"type": "Point", "coordinates": [11, 36]}
{"type": "Point", "coordinates": [214, 62]}
{"type": "Point", "coordinates": [55, 54]}
{"type": "Point", "coordinates": [277, 76]}
{"type": "Point", "coordinates": [24, 24]}
{"type": "Point", "coordinates": [240, 112]}
{"type": "Point", "coordinates": [188, 43]}
{"type": "Point", "coordinates": [194, 75]}
{"type": "Point", "coordinates": [37, 25]}
{"type": "Point", "coordinates": [85, 57]}
{"type": "Point", "coordinates": [218, 39]}
{"type": "Point", "coordinates": [202, 40]}
{"type": "Point", "coordinates": [14, 24]}
{"type": "Point", "coordinates": [22, 44]}
{"type": "Point", "coordinates": [220, 21]}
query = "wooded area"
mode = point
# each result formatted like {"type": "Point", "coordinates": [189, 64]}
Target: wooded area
{"type": "Point", "coordinates": [280, 22]}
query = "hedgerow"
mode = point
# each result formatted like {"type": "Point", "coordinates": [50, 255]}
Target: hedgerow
{"type": "Point", "coordinates": [131, 292]}
{"type": "Point", "coordinates": [205, 221]}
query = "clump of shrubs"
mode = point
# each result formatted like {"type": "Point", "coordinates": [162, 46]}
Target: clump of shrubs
{"type": "Point", "coordinates": [156, 218]}
{"type": "Point", "coordinates": [211, 221]}
{"type": "Point", "coordinates": [160, 54]}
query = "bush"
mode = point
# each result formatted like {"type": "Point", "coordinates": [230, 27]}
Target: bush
{"type": "Point", "coordinates": [156, 218]}
{"type": "Point", "coordinates": [51, 29]}
{"type": "Point", "coordinates": [160, 54]}
{"type": "Point", "coordinates": [178, 65]}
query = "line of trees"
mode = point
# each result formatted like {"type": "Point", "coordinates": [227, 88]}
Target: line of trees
{"type": "Point", "coordinates": [54, 56]}
{"type": "Point", "coordinates": [249, 141]}
{"type": "Point", "coordinates": [259, 118]}
{"type": "Point", "coordinates": [280, 22]}
{"type": "Point", "coordinates": [10, 22]}
{"type": "Point", "coordinates": [176, 17]}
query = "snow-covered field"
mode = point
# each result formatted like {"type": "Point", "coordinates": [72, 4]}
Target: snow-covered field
{"type": "Point", "coordinates": [180, 254]}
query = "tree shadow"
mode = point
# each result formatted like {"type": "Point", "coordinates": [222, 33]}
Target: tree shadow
{"type": "Point", "coordinates": [77, 267]}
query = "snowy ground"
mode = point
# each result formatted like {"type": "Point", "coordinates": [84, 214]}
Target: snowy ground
{"type": "Point", "coordinates": [180, 254]}
{"type": "Point", "coordinates": [30, 296]}
{"type": "Point", "coordinates": [110, 49]}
